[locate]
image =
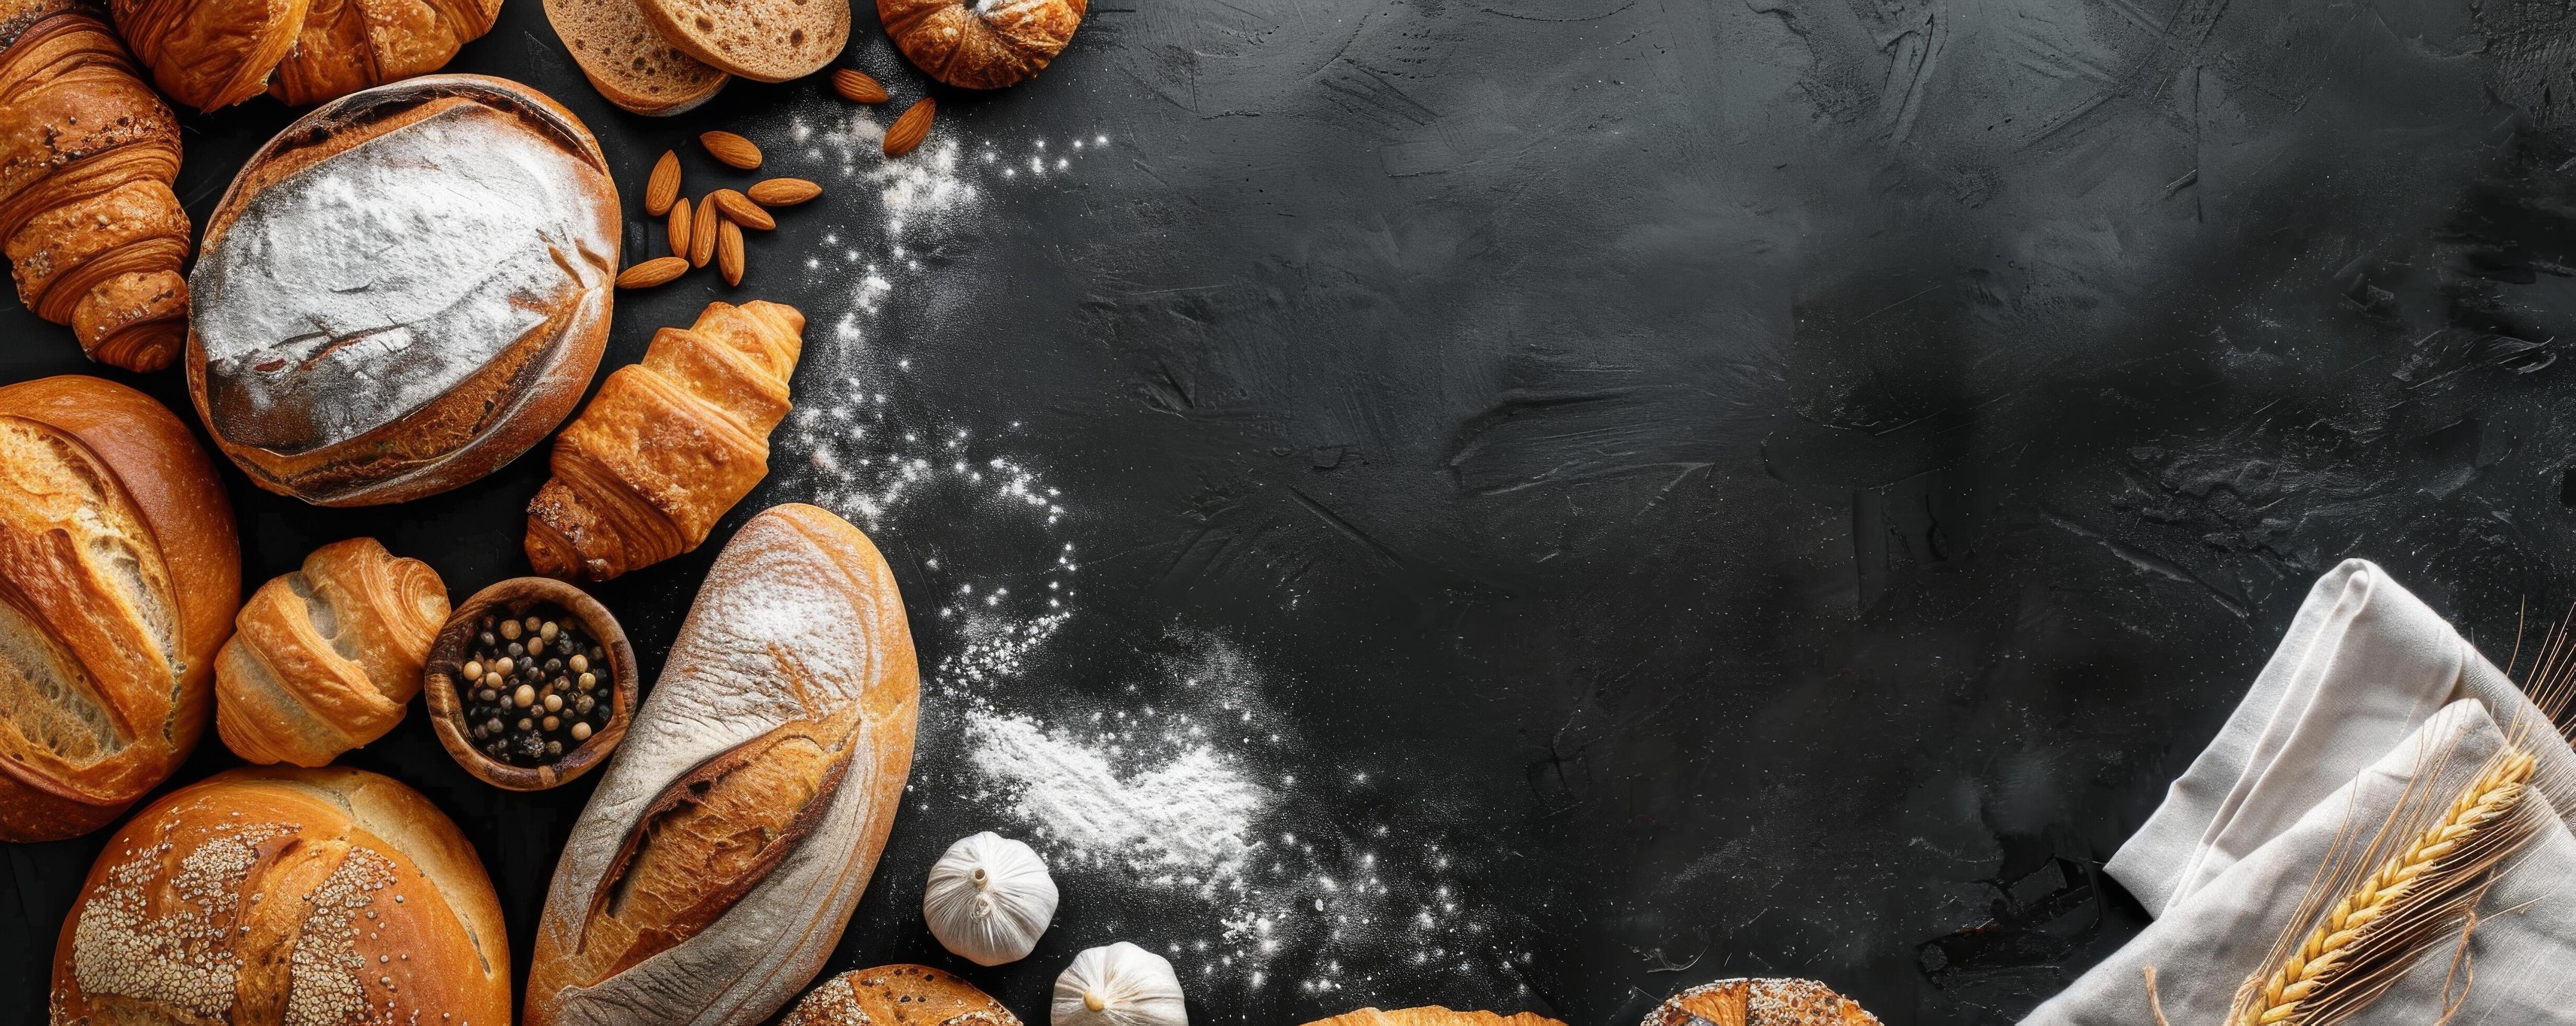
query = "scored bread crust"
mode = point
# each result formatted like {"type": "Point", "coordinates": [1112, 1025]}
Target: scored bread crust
{"type": "Point", "coordinates": [263, 896]}
{"type": "Point", "coordinates": [119, 474]}
{"type": "Point", "coordinates": [628, 62]}
{"type": "Point", "coordinates": [495, 412]}
{"type": "Point", "coordinates": [761, 40]}
{"type": "Point", "coordinates": [898, 995]}
{"type": "Point", "coordinates": [1760, 1002]}
{"type": "Point", "coordinates": [1434, 1015]}
{"type": "Point", "coordinates": [714, 869]}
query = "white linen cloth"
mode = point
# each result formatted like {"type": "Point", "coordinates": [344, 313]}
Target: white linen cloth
{"type": "Point", "coordinates": [2367, 680]}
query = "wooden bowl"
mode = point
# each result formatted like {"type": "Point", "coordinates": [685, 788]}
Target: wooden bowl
{"type": "Point", "coordinates": [514, 597]}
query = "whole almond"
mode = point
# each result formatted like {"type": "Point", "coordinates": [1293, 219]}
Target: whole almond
{"type": "Point", "coordinates": [855, 86]}
{"type": "Point", "coordinates": [910, 129]}
{"type": "Point", "coordinates": [679, 227]}
{"type": "Point", "coordinates": [729, 252]}
{"type": "Point", "coordinates": [664, 186]}
{"type": "Point", "coordinates": [733, 150]}
{"type": "Point", "coordinates": [740, 210]}
{"type": "Point", "coordinates": [657, 271]}
{"type": "Point", "coordinates": [783, 192]}
{"type": "Point", "coordinates": [702, 234]}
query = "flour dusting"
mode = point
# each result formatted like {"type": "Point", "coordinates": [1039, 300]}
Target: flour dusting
{"type": "Point", "coordinates": [1187, 821]}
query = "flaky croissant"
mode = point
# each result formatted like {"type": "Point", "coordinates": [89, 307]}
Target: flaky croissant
{"type": "Point", "coordinates": [216, 53]}
{"type": "Point", "coordinates": [668, 445]}
{"type": "Point", "coordinates": [325, 659]}
{"type": "Point", "coordinates": [94, 235]}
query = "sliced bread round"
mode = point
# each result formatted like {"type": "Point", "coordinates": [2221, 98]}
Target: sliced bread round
{"type": "Point", "coordinates": [629, 62]}
{"type": "Point", "coordinates": [761, 40]}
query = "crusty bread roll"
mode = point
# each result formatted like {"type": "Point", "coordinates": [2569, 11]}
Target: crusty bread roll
{"type": "Point", "coordinates": [326, 659]}
{"type": "Point", "coordinates": [668, 445]}
{"type": "Point", "coordinates": [1773, 1002]}
{"type": "Point", "coordinates": [404, 290]}
{"type": "Point", "coordinates": [275, 896]}
{"type": "Point", "coordinates": [898, 995]}
{"type": "Point", "coordinates": [717, 864]}
{"type": "Point", "coordinates": [1434, 1015]}
{"type": "Point", "coordinates": [121, 572]}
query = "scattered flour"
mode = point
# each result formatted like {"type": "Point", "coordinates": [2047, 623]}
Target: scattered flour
{"type": "Point", "coordinates": [1188, 820]}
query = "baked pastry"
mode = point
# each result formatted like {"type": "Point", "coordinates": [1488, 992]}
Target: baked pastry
{"type": "Point", "coordinates": [348, 45]}
{"type": "Point", "coordinates": [209, 53]}
{"type": "Point", "coordinates": [761, 40]}
{"type": "Point", "coordinates": [628, 62]}
{"type": "Point", "coordinates": [715, 867]}
{"type": "Point", "coordinates": [118, 554]}
{"type": "Point", "coordinates": [898, 995]}
{"type": "Point", "coordinates": [326, 659]}
{"type": "Point", "coordinates": [272, 896]}
{"type": "Point", "coordinates": [87, 153]}
{"type": "Point", "coordinates": [1773, 1002]}
{"type": "Point", "coordinates": [1434, 1015]}
{"type": "Point", "coordinates": [984, 45]}
{"type": "Point", "coordinates": [668, 445]}
{"type": "Point", "coordinates": [404, 290]}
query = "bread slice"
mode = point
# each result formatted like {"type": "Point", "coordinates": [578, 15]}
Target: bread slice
{"type": "Point", "coordinates": [627, 61]}
{"type": "Point", "coordinates": [761, 40]}
{"type": "Point", "coordinates": [898, 995]}
{"type": "Point", "coordinates": [1434, 1015]}
{"type": "Point", "coordinates": [1780, 1002]}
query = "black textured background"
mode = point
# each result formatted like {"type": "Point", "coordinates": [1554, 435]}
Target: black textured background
{"type": "Point", "coordinates": [1767, 488]}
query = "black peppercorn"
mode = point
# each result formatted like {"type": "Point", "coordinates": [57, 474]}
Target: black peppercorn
{"type": "Point", "coordinates": [542, 686]}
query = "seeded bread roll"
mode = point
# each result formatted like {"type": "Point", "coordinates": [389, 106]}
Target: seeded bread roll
{"type": "Point", "coordinates": [122, 572]}
{"type": "Point", "coordinates": [1434, 1015]}
{"type": "Point", "coordinates": [715, 867]}
{"type": "Point", "coordinates": [1777, 1002]}
{"type": "Point", "coordinates": [404, 290]}
{"type": "Point", "coordinates": [273, 896]}
{"type": "Point", "coordinates": [326, 659]}
{"type": "Point", "coordinates": [898, 995]}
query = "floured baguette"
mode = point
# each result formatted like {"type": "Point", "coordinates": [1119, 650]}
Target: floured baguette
{"type": "Point", "coordinates": [1434, 1015]}
{"type": "Point", "coordinates": [714, 869]}
{"type": "Point", "coordinates": [761, 40]}
{"type": "Point", "coordinates": [629, 63]}
{"type": "Point", "coordinates": [898, 995]}
{"type": "Point", "coordinates": [1775, 1002]}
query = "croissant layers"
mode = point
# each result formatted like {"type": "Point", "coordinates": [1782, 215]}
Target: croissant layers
{"type": "Point", "coordinates": [216, 53]}
{"type": "Point", "coordinates": [326, 659]}
{"type": "Point", "coordinates": [94, 235]}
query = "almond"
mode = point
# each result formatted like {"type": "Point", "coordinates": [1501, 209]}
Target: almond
{"type": "Point", "coordinates": [664, 186]}
{"type": "Point", "coordinates": [702, 234]}
{"type": "Point", "coordinates": [733, 150]}
{"type": "Point", "coordinates": [740, 210]}
{"type": "Point", "coordinates": [909, 130]}
{"type": "Point", "coordinates": [855, 86]}
{"type": "Point", "coordinates": [679, 227]}
{"type": "Point", "coordinates": [657, 271]}
{"type": "Point", "coordinates": [729, 252]}
{"type": "Point", "coordinates": [783, 192]}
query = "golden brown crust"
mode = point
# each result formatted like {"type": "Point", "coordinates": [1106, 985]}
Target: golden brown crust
{"type": "Point", "coordinates": [93, 468]}
{"type": "Point", "coordinates": [349, 45]}
{"type": "Point", "coordinates": [506, 405]}
{"type": "Point", "coordinates": [264, 896]}
{"type": "Point", "coordinates": [94, 235]}
{"type": "Point", "coordinates": [1762, 1002]}
{"type": "Point", "coordinates": [1434, 1015]}
{"type": "Point", "coordinates": [209, 53]}
{"type": "Point", "coordinates": [326, 659]}
{"type": "Point", "coordinates": [668, 445]}
{"type": "Point", "coordinates": [900, 995]}
{"type": "Point", "coordinates": [981, 45]}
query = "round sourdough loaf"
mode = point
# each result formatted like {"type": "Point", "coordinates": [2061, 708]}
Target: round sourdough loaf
{"type": "Point", "coordinates": [403, 290]}
{"type": "Point", "coordinates": [121, 572]}
{"type": "Point", "coordinates": [267, 896]}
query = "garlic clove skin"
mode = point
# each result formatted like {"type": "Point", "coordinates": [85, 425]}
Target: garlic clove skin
{"type": "Point", "coordinates": [1119, 985]}
{"type": "Point", "coordinates": [989, 899]}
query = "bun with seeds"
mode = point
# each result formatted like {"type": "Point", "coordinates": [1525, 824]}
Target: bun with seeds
{"type": "Point", "coordinates": [1775, 1002]}
{"type": "Point", "coordinates": [898, 995]}
{"type": "Point", "coordinates": [1434, 1015]}
{"type": "Point", "coordinates": [269, 896]}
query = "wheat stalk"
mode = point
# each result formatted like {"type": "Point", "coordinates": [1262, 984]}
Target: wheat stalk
{"type": "Point", "coordinates": [2361, 946]}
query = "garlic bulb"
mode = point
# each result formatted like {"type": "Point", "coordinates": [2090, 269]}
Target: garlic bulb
{"type": "Point", "coordinates": [989, 899]}
{"type": "Point", "coordinates": [1119, 985]}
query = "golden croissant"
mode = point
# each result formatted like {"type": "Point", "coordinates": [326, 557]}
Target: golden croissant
{"type": "Point", "coordinates": [94, 235]}
{"type": "Point", "coordinates": [325, 659]}
{"type": "Point", "coordinates": [216, 53]}
{"type": "Point", "coordinates": [668, 445]}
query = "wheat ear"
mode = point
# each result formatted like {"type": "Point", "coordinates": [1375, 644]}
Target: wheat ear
{"type": "Point", "coordinates": [2386, 901]}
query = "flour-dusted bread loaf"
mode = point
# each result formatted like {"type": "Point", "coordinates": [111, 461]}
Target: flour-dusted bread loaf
{"type": "Point", "coordinates": [984, 45]}
{"type": "Point", "coordinates": [668, 445]}
{"type": "Point", "coordinates": [404, 290]}
{"type": "Point", "coordinates": [1769, 1002]}
{"type": "Point", "coordinates": [348, 45]}
{"type": "Point", "coordinates": [326, 659]}
{"type": "Point", "coordinates": [629, 62]}
{"type": "Point", "coordinates": [284, 897]}
{"type": "Point", "coordinates": [1434, 1015]}
{"type": "Point", "coordinates": [118, 554]}
{"type": "Point", "coordinates": [717, 864]}
{"type": "Point", "coordinates": [761, 40]}
{"type": "Point", "coordinates": [898, 995]}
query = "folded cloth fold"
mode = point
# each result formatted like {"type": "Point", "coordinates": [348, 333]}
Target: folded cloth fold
{"type": "Point", "coordinates": [2368, 682]}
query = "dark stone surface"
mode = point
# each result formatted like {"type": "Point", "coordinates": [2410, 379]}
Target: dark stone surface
{"type": "Point", "coordinates": [1720, 487]}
